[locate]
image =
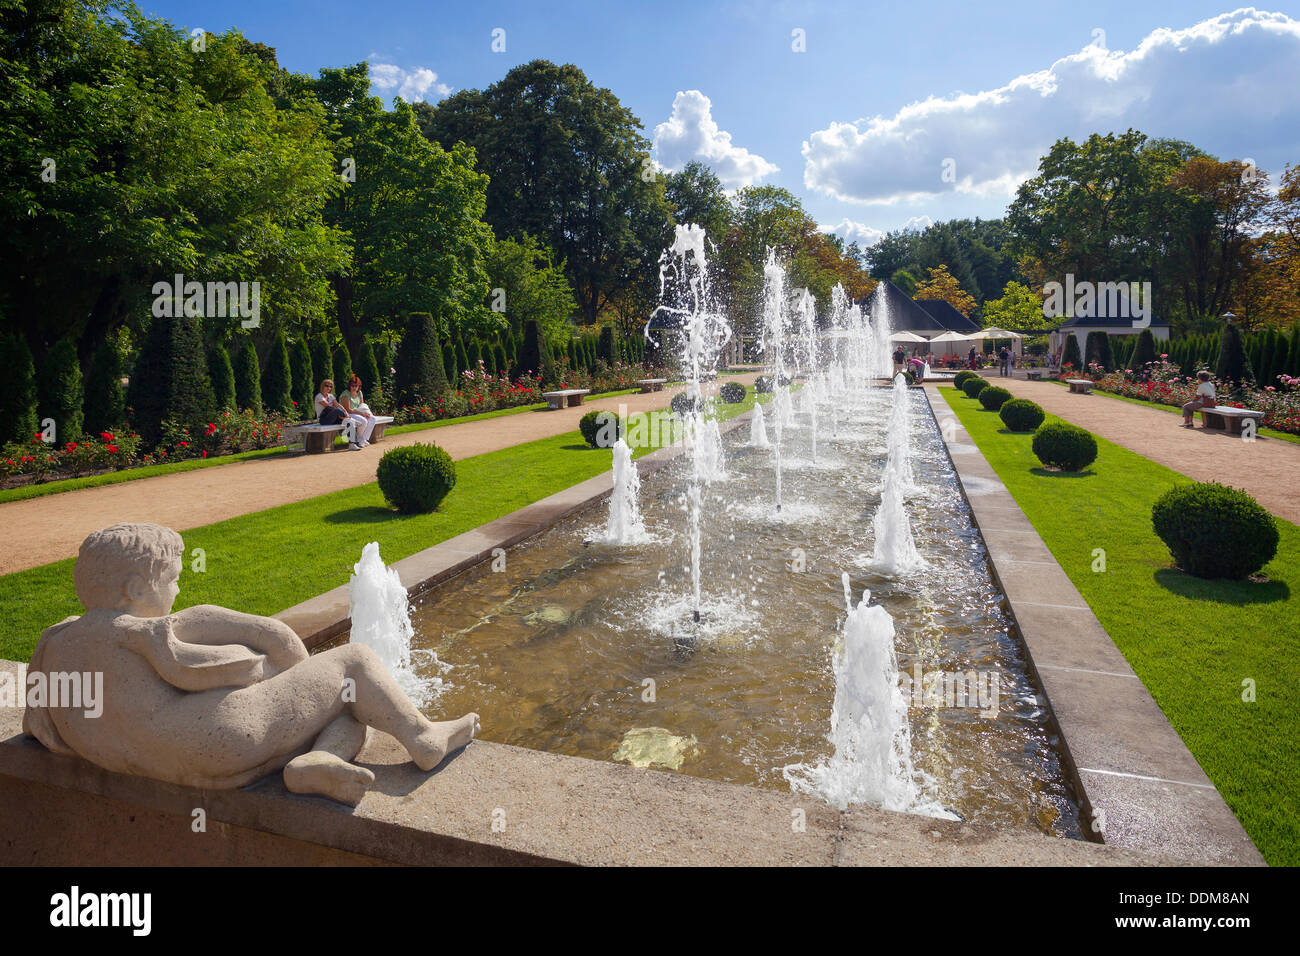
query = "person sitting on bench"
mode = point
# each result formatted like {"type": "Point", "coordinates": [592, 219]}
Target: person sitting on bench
{"type": "Point", "coordinates": [1204, 399]}
{"type": "Point", "coordinates": [354, 404]}
{"type": "Point", "coordinates": [330, 412]}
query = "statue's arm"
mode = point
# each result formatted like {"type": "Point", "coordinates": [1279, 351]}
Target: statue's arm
{"type": "Point", "coordinates": [195, 667]}
{"type": "Point", "coordinates": [209, 624]}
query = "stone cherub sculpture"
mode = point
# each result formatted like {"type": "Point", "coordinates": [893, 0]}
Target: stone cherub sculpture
{"type": "Point", "coordinates": [209, 697]}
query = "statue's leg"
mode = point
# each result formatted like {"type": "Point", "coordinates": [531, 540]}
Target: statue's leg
{"type": "Point", "coordinates": [326, 769]}
{"type": "Point", "coordinates": [382, 704]}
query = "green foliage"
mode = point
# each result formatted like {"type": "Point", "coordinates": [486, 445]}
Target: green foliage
{"type": "Point", "coordinates": [342, 365]}
{"type": "Point", "coordinates": [222, 377]}
{"type": "Point", "coordinates": [18, 419]}
{"type": "Point", "coordinates": [533, 286]}
{"type": "Point", "coordinates": [962, 377]}
{"type": "Point", "coordinates": [462, 359]}
{"type": "Point", "coordinates": [600, 429]}
{"type": "Point", "coordinates": [104, 404]}
{"type": "Point", "coordinates": [732, 393]}
{"type": "Point", "coordinates": [973, 386]}
{"type": "Point", "coordinates": [1144, 351]}
{"type": "Point", "coordinates": [1232, 365]}
{"type": "Point", "coordinates": [607, 349]}
{"type": "Point", "coordinates": [564, 163]}
{"type": "Point", "coordinates": [1070, 355]}
{"type": "Point", "coordinates": [535, 355]}
{"type": "Point", "coordinates": [1097, 349]}
{"type": "Point", "coordinates": [993, 397]}
{"type": "Point", "coordinates": [420, 377]}
{"type": "Point", "coordinates": [1214, 531]}
{"type": "Point", "coordinates": [448, 360]}
{"type": "Point", "coordinates": [170, 379]}
{"type": "Point", "coordinates": [763, 385]}
{"type": "Point", "coordinates": [322, 362]}
{"type": "Point", "coordinates": [301, 375]}
{"type": "Point", "coordinates": [1021, 415]}
{"type": "Point", "coordinates": [415, 478]}
{"type": "Point", "coordinates": [1018, 310]}
{"type": "Point", "coordinates": [60, 389]}
{"type": "Point", "coordinates": [372, 386]}
{"type": "Point", "coordinates": [683, 405]}
{"type": "Point", "coordinates": [248, 378]}
{"type": "Point", "coordinates": [1064, 446]}
{"type": "Point", "coordinates": [277, 387]}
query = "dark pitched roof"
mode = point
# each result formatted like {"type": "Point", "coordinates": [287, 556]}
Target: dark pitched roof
{"type": "Point", "coordinates": [904, 314]}
{"type": "Point", "coordinates": [1097, 321]}
{"type": "Point", "coordinates": [946, 315]}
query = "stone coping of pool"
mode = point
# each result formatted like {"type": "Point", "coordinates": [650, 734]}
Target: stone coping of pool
{"type": "Point", "coordinates": [1138, 784]}
{"type": "Point", "coordinates": [489, 804]}
{"type": "Point", "coordinates": [325, 616]}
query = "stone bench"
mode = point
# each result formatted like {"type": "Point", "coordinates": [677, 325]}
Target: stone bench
{"type": "Point", "coordinates": [381, 425]}
{"type": "Point", "coordinates": [651, 384]}
{"type": "Point", "coordinates": [1081, 385]}
{"type": "Point", "coordinates": [1034, 374]}
{"type": "Point", "coordinates": [315, 438]}
{"type": "Point", "coordinates": [1227, 418]}
{"type": "Point", "coordinates": [573, 396]}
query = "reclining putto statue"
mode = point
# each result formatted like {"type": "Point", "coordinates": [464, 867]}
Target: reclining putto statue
{"type": "Point", "coordinates": [209, 697]}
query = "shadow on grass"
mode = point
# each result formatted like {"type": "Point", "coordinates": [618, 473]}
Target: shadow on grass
{"type": "Point", "coordinates": [1008, 431]}
{"type": "Point", "coordinates": [1046, 473]}
{"type": "Point", "coordinates": [583, 446]}
{"type": "Point", "coordinates": [372, 514]}
{"type": "Point", "coordinates": [1221, 591]}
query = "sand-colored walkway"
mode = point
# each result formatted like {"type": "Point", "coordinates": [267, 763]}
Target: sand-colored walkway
{"type": "Point", "coordinates": [1266, 468]}
{"type": "Point", "coordinates": [41, 530]}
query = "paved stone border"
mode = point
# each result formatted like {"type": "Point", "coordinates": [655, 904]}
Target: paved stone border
{"type": "Point", "coordinates": [549, 809]}
{"type": "Point", "coordinates": [326, 616]}
{"type": "Point", "coordinates": [1137, 781]}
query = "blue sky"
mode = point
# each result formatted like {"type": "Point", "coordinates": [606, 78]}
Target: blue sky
{"type": "Point", "coordinates": [893, 113]}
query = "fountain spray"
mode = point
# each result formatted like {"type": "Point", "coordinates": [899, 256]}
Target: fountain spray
{"type": "Point", "coordinates": [684, 294]}
{"type": "Point", "coordinates": [773, 339]}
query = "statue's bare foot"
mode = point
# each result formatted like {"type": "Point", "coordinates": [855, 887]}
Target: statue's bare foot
{"type": "Point", "coordinates": [441, 738]}
{"type": "Point", "coordinates": [330, 776]}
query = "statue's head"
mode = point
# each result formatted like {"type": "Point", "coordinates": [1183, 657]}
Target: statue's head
{"type": "Point", "coordinates": [130, 567]}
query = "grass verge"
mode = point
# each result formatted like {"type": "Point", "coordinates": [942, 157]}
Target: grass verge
{"type": "Point", "coordinates": [1194, 643]}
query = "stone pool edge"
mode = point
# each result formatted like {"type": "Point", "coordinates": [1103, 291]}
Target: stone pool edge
{"type": "Point", "coordinates": [1138, 785]}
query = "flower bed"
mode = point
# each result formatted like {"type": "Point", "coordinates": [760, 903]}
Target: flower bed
{"type": "Point", "coordinates": [1163, 384]}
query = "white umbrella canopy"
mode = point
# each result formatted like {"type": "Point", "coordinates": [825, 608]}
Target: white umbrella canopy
{"type": "Point", "coordinates": [952, 337]}
{"type": "Point", "coordinates": [907, 337]}
{"type": "Point", "coordinates": [996, 333]}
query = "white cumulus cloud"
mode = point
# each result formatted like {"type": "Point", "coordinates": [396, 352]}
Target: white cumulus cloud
{"type": "Point", "coordinates": [691, 133]}
{"type": "Point", "coordinates": [1226, 84]}
{"type": "Point", "coordinates": [864, 235]}
{"type": "Point", "coordinates": [414, 85]}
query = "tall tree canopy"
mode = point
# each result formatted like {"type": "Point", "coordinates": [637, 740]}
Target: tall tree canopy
{"type": "Point", "coordinates": [567, 163]}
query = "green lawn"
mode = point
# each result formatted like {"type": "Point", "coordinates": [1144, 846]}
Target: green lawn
{"type": "Point", "coordinates": [1192, 642]}
{"type": "Point", "coordinates": [270, 560]}
{"type": "Point", "coordinates": [1261, 432]}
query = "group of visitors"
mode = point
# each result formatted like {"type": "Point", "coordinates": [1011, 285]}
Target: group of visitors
{"type": "Point", "coordinates": [349, 410]}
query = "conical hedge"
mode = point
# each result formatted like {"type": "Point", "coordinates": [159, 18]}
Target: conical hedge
{"type": "Point", "coordinates": [248, 376]}
{"type": "Point", "coordinates": [277, 389]}
{"type": "Point", "coordinates": [18, 420]}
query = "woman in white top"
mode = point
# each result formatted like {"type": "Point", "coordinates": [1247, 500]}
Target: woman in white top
{"type": "Point", "coordinates": [1204, 399]}
{"type": "Point", "coordinates": [330, 412]}
{"type": "Point", "coordinates": [355, 405]}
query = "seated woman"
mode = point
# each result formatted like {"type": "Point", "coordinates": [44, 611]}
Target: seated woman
{"type": "Point", "coordinates": [1204, 398]}
{"type": "Point", "coordinates": [330, 412]}
{"type": "Point", "coordinates": [355, 405]}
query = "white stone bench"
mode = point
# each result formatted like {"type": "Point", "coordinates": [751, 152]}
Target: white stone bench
{"type": "Point", "coordinates": [573, 396]}
{"type": "Point", "coordinates": [381, 425]}
{"type": "Point", "coordinates": [1228, 418]}
{"type": "Point", "coordinates": [651, 384]}
{"type": "Point", "coordinates": [1034, 374]}
{"type": "Point", "coordinates": [1081, 385]}
{"type": "Point", "coordinates": [315, 438]}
